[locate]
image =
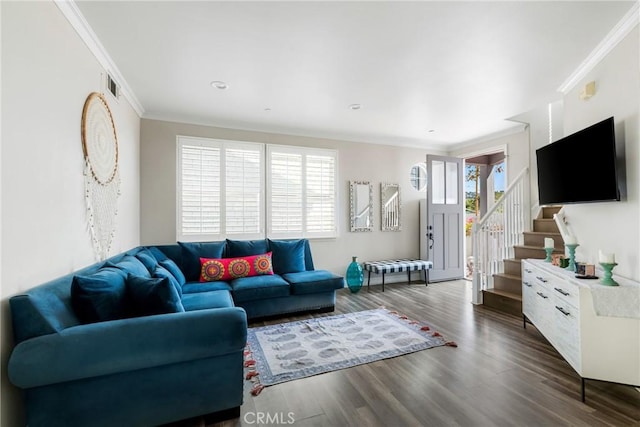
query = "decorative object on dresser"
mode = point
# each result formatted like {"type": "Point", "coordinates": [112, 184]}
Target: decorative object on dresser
{"type": "Point", "coordinates": [595, 328]}
{"type": "Point", "coordinates": [548, 247]}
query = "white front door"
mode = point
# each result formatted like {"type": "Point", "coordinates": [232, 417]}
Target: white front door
{"type": "Point", "coordinates": [445, 217]}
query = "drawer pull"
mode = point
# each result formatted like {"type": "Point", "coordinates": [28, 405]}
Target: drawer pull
{"type": "Point", "coordinates": [542, 295]}
{"type": "Point", "coordinates": [542, 279]}
{"type": "Point", "coordinates": [527, 284]}
{"type": "Point", "coordinates": [563, 292]}
{"type": "Point", "coordinates": [526, 270]}
{"type": "Point", "coordinates": [561, 310]}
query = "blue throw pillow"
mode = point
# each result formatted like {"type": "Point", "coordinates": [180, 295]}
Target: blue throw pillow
{"type": "Point", "coordinates": [240, 248]}
{"type": "Point", "coordinates": [174, 269]}
{"type": "Point", "coordinates": [160, 271]}
{"type": "Point", "coordinates": [100, 296]}
{"type": "Point", "coordinates": [149, 296]}
{"type": "Point", "coordinates": [146, 257]}
{"type": "Point", "coordinates": [193, 251]}
{"type": "Point", "coordinates": [130, 264]}
{"type": "Point", "coordinates": [288, 256]}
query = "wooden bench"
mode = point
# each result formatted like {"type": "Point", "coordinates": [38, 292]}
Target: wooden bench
{"type": "Point", "coordinates": [397, 266]}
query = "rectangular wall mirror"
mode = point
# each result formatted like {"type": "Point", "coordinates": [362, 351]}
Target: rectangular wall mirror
{"type": "Point", "coordinates": [361, 205]}
{"type": "Point", "coordinates": [390, 206]}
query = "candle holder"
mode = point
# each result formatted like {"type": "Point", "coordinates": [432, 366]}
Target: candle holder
{"type": "Point", "coordinates": [572, 257]}
{"type": "Point", "coordinates": [549, 252]}
{"type": "Point", "coordinates": [608, 272]}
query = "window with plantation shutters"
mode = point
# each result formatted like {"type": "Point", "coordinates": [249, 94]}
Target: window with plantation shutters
{"type": "Point", "coordinates": [220, 189]}
{"type": "Point", "coordinates": [301, 192]}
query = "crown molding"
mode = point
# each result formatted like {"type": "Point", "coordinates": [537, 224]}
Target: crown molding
{"type": "Point", "coordinates": [70, 11]}
{"type": "Point", "coordinates": [611, 40]}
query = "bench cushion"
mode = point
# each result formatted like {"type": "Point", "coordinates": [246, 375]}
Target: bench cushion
{"type": "Point", "coordinates": [311, 282]}
{"type": "Point", "coordinates": [397, 265]}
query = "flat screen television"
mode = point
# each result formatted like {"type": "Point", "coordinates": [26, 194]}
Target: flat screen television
{"type": "Point", "coordinates": [579, 168]}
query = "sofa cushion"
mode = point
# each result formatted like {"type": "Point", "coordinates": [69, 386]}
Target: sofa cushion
{"type": "Point", "coordinates": [259, 287]}
{"type": "Point", "coordinates": [195, 287]}
{"type": "Point", "coordinates": [288, 256]}
{"type": "Point", "coordinates": [161, 272]}
{"type": "Point", "coordinates": [206, 300]}
{"type": "Point", "coordinates": [193, 251]}
{"type": "Point", "coordinates": [174, 270]}
{"type": "Point", "coordinates": [239, 248]}
{"type": "Point", "coordinates": [100, 296]}
{"type": "Point", "coordinates": [130, 264]}
{"type": "Point", "coordinates": [311, 282]}
{"type": "Point", "coordinates": [233, 268]}
{"type": "Point", "coordinates": [150, 296]}
{"type": "Point", "coordinates": [146, 257]}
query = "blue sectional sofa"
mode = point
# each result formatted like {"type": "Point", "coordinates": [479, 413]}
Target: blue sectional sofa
{"type": "Point", "coordinates": [120, 344]}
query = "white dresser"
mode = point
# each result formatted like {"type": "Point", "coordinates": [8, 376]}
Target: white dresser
{"type": "Point", "coordinates": [596, 328]}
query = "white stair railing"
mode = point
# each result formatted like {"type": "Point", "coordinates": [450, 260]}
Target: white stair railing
{"type": "Point", "coordinates": [495, 235]}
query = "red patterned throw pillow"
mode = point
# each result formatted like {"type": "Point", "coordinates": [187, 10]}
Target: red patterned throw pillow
{"type": "Point", "coordinates": [214, 269]}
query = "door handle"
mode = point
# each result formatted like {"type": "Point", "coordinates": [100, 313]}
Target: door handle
{"type": "Point", "coordinates": [430, 236]}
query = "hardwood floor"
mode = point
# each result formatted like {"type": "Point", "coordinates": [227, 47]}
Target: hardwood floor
{"type": "Point", "coordinates": [500, 374]}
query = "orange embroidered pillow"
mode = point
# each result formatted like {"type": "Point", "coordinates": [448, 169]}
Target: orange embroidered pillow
{"type": "Point", "coordinates": [214, 269]}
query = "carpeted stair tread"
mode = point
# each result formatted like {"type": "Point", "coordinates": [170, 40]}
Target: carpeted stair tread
{"type": "Point", "coordinates": [544, 233]}
{"type": "Point", "coordinates": [555, 251]}
{"type": "Point", "coordinates": [508, 276]}
{"type": "Point", "coordinates": [506, 294]}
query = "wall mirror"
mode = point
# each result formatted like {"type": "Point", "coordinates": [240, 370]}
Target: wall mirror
{"type": "Point", "coordinates": [390, 204]}
{"type": "Point", "coordinates": [418, 176]}
{"type": "Point", "coordinates": [361, 205]}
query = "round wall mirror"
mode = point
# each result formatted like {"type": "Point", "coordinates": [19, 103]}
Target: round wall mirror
{"type": "Point", "coordinates": [418, 176]}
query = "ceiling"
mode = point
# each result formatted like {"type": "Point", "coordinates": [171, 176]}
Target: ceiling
{"type": "Point", "coordinates": [426, 74]}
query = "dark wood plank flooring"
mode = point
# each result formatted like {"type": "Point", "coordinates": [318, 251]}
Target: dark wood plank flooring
{"type": "Point", "coordinates": [500, 375]}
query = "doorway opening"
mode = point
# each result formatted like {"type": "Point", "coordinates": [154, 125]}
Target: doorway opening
{"type": "Point", "coordinates": [485, 178]}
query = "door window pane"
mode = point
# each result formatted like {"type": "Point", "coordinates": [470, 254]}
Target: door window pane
{"type": "Point", "coordinates": [438, 178]}
{"type": "Point", "coordinates": [452, 183]}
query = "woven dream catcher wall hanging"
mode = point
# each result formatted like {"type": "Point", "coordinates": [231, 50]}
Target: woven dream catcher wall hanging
{"type": "Point", "coordinates": [102, 181]}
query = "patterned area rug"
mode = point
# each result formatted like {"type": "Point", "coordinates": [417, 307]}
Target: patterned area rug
{"type": "Point", "coordinates": [289, 351]}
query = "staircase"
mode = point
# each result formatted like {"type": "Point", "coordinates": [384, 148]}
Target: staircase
{"type": "Point", "coordinates": [506, 294]}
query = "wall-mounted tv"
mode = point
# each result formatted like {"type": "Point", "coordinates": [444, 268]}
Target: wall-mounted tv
{"type": "Point", "coordinates": [579, 168]}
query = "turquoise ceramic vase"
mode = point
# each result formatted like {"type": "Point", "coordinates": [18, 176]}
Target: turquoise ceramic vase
{"type": "Point", "coordinates": [354, 276]}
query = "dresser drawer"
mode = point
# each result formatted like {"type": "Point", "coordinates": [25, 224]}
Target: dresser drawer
{"type": "Point", "coordinates": [565, 291]}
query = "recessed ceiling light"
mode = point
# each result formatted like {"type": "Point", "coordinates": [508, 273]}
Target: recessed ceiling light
{"type": "Point", "coordinates": [219, 84]}
{"type": "Point", "coordinates": [355, 106]}
{"type": "Point", "coordinates": [267, 109]}
{"type": "Point", "coordinates": [431, 130]}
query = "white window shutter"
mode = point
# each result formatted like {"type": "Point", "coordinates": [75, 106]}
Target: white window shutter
{"type": "Point", "coordinates": [321, 195]}
{"type": "Point", "coordinates": [285, 194]}
{"type": "Point", "coordinates": [244, 204]}
{"type": "Point", "coordinates": [199, 191]}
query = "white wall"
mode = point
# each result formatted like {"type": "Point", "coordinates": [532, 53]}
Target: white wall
{"type": "Point", "coordinates": [47, 73]}
{"type": "Point", "coordinates": [613, 226]}
{"type": "Point", "coordinates": [357, 161]}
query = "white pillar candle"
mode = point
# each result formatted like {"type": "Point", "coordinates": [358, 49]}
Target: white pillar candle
{"type": "Point", "coordinates": [605, 258]}
{"type": "Point", "coordinates": [570, 240]}
{"type": "Point", "coordinates": [548, 242]}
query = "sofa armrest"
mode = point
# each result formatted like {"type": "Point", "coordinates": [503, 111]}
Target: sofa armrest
{"type": "Point", "coordinates": [105, 348]}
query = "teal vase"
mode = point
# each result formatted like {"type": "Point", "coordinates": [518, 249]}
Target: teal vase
{"type": "Point", "coordinates": [354, 276]}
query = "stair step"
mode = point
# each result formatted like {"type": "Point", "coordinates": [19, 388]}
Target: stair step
{"type": "Point", "coordinates": [513, 267]}
{"type": "Point", "coordinates": [503, 301]}
{"type": "Point", "coordinates": [548, 211]}
{"type": "Point", "coordinates": [524, 252]}
{"type": "Point", "coordinates": [508, 282]}
{"type": "Point", "coordinates": [545, 225]}
{"type": "Point", "coordinates": [536, 238]}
